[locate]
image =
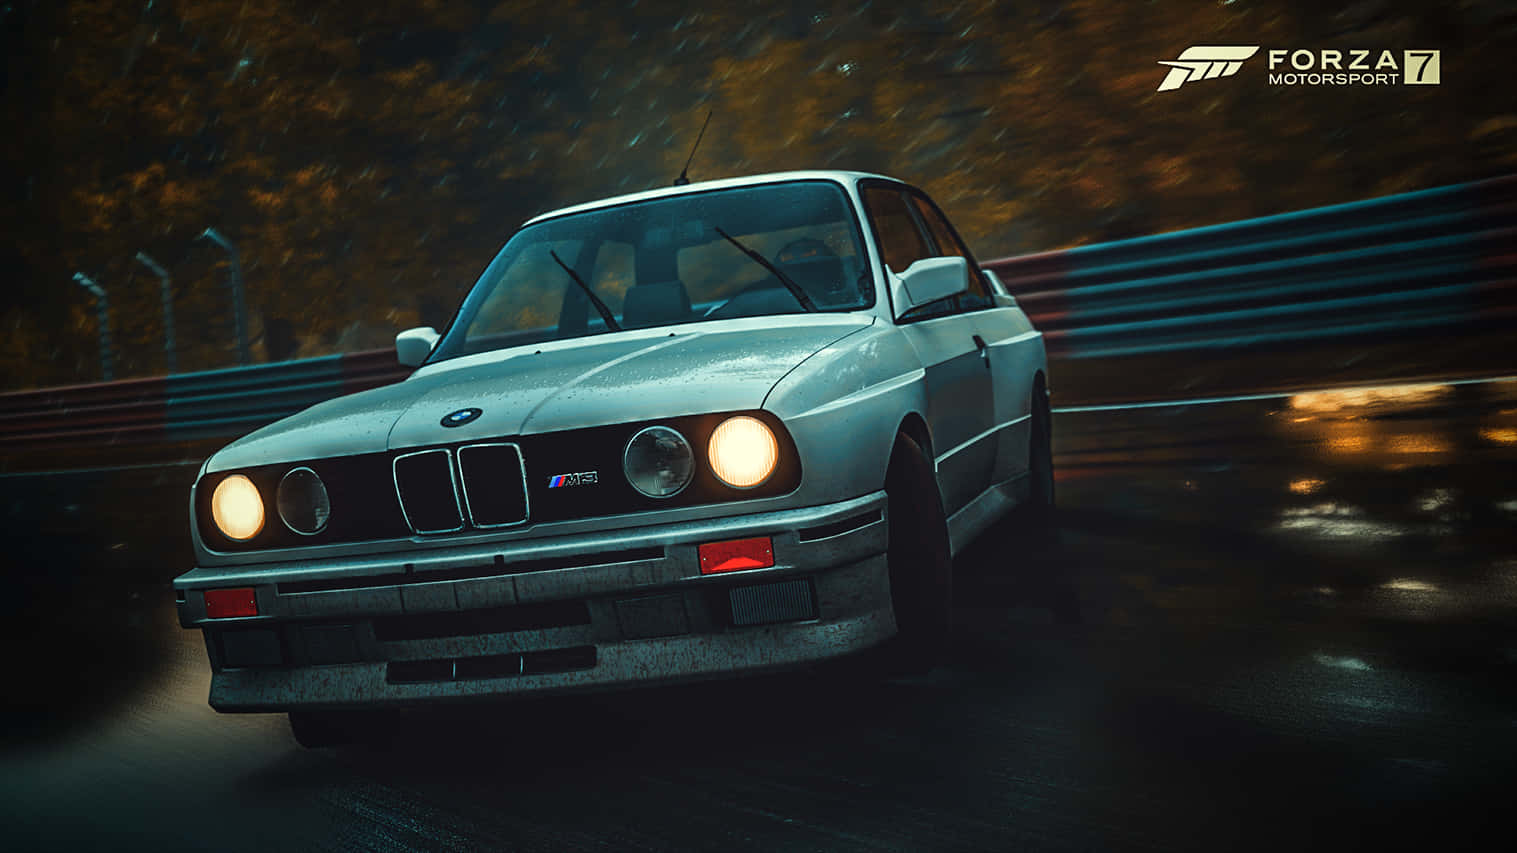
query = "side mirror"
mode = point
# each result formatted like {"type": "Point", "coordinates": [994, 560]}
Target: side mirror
{"type": "Point", "coordinates": [414, 345]}
{"type": "Point", "coordinates": [928, 280]}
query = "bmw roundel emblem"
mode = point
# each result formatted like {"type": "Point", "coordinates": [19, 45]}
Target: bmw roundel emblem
{"type": "Point", "coordinates": [461, 417]}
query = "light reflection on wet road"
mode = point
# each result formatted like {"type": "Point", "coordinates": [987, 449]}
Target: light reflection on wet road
{"type": "Point", "coordinates": [1281, 623]}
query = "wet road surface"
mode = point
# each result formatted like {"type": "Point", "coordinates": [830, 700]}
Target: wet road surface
{"type": "Point", "coordinates": [1272, 624]}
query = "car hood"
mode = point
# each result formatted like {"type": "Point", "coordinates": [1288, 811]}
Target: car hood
{"type": "Point", "coordinates": [615, 378]}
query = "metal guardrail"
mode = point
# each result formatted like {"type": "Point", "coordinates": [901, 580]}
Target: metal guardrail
{"type": "Point", "coordinates": [1436, 259]}
{"type": "Point", "coordinates": [187, 406]}
{"type": "Point", "coordinates": [1423, 260]}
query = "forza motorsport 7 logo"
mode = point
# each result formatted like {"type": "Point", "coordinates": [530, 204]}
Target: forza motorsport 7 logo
{"type": "Point", "coordinates": [1205, 62]}
{"type": "Point", "coordinates": [1352, 67]}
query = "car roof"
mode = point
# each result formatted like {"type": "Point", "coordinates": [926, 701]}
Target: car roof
{"type": "Point", "coordinates": [705, 186]}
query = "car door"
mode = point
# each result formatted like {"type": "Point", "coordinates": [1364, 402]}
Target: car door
{"type": "Point", "coordinates": [960, 404]}
{"type": "Point", "coordinates": [1014, 348]}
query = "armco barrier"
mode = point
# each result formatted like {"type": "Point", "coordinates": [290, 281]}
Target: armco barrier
{"type": "Point", "coordinates": [1436, 259]}
{"type": "Point", "coordinates": [218, 402]}
{"type": "Point", "coordinates": [130, 409]}
{"type": "Point", "coordinates": [189, 405]}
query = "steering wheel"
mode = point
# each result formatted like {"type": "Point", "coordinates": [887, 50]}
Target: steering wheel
{"type": "Point", "coordinates": [792, 258]}
{"type": "Point", "coordinates": [804, 259]}
{"type": "Point", "coordinates": [803, 249]}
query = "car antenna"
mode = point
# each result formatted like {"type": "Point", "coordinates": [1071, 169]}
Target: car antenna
{"type": "Point", "coordinates": [682, 180]}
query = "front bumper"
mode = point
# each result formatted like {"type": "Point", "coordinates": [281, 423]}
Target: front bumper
{"type": "Point", "coordinates": [581, 612]}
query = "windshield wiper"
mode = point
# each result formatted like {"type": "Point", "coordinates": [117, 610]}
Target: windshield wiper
{"type": "Point", "coordinates": [795, 289]}
{"type": "Point", "coordinates": [600, 306]}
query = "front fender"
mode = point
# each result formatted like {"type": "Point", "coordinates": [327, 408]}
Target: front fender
{"type": "Point", "coordinates": [843, 407]}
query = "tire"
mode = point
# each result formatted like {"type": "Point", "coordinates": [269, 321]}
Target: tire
{"type": "Point", "coordinates": [322, 729]}
{"type": "Point", "coordinates": [921, 567]}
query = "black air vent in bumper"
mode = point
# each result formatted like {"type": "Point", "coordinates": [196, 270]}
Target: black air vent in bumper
{"type": "Point", "coordinates": [490, 666]}
{"type": "Point", "coordinates": [469, 623]}
{"type": "Point", "coordinates": [787, 601]}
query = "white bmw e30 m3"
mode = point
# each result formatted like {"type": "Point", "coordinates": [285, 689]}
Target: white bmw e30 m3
{"type": "Point", "coordinates": [707, 430]}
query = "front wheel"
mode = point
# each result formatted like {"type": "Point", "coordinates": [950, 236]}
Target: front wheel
{"type": "Point", "coordinates": [921, 566]}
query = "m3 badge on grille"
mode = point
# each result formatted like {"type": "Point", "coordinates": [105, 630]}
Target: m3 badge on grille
{"type": "Point", "coordinates": [584, 478]}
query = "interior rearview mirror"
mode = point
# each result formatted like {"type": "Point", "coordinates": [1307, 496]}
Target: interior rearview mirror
{"type": "Point", "coordinates": [929, 280]}
{"type": "Point", "coordinates": [414, 345]}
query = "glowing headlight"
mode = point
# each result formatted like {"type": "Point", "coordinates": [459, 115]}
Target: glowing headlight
{"type": "Point", "coordinates": [658, 462]}
{"type": "Point", "coordinates": [237, 508]}
{"type": "Point", "coordinates": [743, 452]}
{"type": "Point", "coordinates": [302, 501]}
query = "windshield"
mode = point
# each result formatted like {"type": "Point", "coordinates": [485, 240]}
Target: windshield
{"type": "Point", "coordinates": [666, 262]}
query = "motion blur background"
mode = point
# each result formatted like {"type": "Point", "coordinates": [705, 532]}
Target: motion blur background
{"type": "Point", "coordinates": [368, 159]}
{"type": "Point", "coordinates": [1282, 611]}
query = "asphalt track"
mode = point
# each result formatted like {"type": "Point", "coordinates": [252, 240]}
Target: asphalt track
{"type": "Point", "coordinates": [1278, 623]}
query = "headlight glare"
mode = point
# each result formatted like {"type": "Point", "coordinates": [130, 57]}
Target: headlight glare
{"type": "Point", "coordinates": [302, 502]}
{"type": "Point", "coordinates": [743, 452]}
{"type": "Point", "coordinates": [237, 508]}
{"type": "Point", "coordinates": [658, 462]}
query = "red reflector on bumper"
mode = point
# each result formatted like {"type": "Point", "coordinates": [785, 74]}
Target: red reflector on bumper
{"type": "Point", "coordinates": [738, 554]}
{"type": "Point", "coordinates": [227, 603]}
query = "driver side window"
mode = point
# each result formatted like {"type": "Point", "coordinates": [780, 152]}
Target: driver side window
{"type": "Point", "coordinates": [898, 229]}
{"type": "Point", "coordinates": [949, 245]}
{"type": "Point", "coordinates": [901, 243]}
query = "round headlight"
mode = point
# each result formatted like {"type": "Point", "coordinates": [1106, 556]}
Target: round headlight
{"type": "Point", "coordinates": [743, 452]}
{"type": "Point", "coordinates": [658, 462]}
{"type": "Point", "coordinates": [237, 508]}
{"type": "Point", "coordinates": [302, 501]}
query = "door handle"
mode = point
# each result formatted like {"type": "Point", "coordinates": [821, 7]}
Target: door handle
{"type": "Point", "coordinates": [979, 344]}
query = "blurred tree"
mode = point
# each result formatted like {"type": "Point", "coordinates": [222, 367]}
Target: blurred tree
{"type": "Point", "coordinates": [367, 159]}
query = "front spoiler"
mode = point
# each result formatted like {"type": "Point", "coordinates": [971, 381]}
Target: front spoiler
{"type": "Point", "coordinates": [836, 553]}
{"type": "Point", "coordinates": [620, 665]}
